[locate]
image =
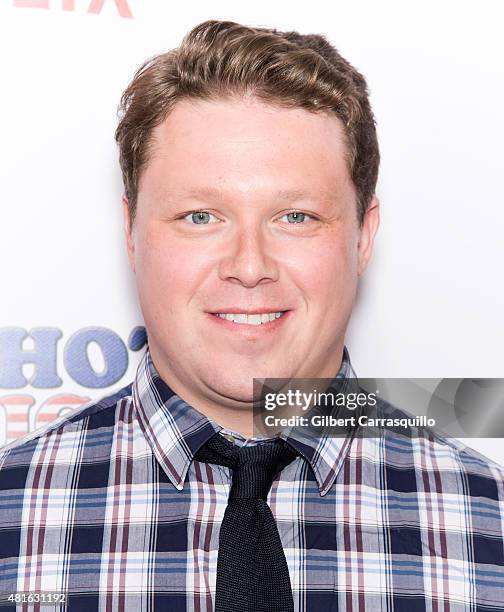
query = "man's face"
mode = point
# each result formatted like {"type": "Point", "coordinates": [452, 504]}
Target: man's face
{"type": "Point", "coordinates": [248, 166]}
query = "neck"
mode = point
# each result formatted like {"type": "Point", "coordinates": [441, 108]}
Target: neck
{"type": "Point", "coordinates": [230, 413]}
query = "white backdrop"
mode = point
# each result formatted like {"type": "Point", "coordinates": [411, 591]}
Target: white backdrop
{"type": "Point", "coordinates": [432, 300]}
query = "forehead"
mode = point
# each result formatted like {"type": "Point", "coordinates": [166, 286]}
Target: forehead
{"type": "Point", "coordinates": [248, 144]}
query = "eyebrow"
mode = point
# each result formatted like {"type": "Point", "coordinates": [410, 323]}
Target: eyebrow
{"type": "Point", "coordinates": [285, 195]}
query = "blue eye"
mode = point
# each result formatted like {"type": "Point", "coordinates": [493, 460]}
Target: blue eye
{"type": "Point", "coordinates": [200, 217]}
{"type": "Point", "coordinates": [298, 217]}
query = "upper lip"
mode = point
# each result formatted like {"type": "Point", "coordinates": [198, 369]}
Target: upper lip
{"type": "Point", "coordinates": [237, 310]}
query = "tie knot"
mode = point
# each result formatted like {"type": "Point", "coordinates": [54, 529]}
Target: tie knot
{"type": "Point", "coordinates": [254, 467]}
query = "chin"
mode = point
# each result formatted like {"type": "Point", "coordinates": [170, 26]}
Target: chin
{"type": "Point", "coordinates": [239, 388]}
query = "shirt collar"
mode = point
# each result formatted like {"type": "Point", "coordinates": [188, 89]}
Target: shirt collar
{"type": "Point", "coordinates": [176, 430]}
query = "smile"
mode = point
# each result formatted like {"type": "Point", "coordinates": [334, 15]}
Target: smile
{"type": "Point", "coordinates": [251, 319]}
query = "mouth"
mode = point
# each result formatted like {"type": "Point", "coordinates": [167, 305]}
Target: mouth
{"type": "Point", "coordinates": [257, 318]}
{"type": "Point", "coordinates": [250, 322]}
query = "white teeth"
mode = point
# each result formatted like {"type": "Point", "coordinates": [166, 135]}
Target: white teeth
{"type": "Point", "coordinates": [252, 319]}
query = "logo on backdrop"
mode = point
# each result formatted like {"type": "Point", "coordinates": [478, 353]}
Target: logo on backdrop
{"type": "Point", "coordinates": [19, 412]}
{"type": "Point", "coordinates": [89, 6]}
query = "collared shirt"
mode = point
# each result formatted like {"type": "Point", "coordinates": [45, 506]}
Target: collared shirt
{"type": "Point", "coordinates": [107, 507]}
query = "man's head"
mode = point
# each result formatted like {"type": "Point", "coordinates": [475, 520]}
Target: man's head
{"type": "Point", "coordinates": [219, 59]}
{"type": "Point", "coordinates": [270, 135]}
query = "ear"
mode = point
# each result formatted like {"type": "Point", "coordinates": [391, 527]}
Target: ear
{"type": "Point", "coordinates": [367, 234]}
{"type": "Point", "coordinates": [128, 232]}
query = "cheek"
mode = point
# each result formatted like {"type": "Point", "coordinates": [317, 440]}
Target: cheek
{"type": "Point", "coordinates": [167, 268]}
{"type": "Point", "coordinates": [329, 270]}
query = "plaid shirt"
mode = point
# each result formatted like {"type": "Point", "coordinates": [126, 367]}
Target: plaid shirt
{"type": "Point", "coordinates": [106, 506]}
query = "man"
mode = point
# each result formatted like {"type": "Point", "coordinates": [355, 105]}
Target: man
{"type": "Point", "coordinates": [250, 161]}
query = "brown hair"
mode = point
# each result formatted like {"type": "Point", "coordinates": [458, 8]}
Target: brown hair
{"type": "Point", "coordinates": [222, 58]}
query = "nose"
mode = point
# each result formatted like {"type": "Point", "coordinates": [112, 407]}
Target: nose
{"type": "Point", "coordinates": [245, 258]}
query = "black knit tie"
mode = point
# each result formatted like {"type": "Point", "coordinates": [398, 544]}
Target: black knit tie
{"type": "Point", "coordinates": [252, 572]}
